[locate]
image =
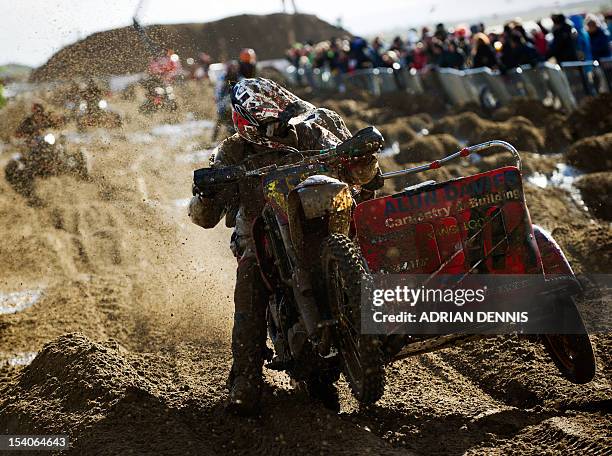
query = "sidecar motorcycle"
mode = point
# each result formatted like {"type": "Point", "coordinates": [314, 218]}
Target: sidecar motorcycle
{"type": "Point", "coordinates": [97, 115]}
{"type": "Point", "coordinates": [316, 245]}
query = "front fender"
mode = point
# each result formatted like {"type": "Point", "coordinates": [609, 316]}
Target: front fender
{"type": "Point", "coordinates": [313, 199]}
{"type": "Point", "coordinates": [320, 195]}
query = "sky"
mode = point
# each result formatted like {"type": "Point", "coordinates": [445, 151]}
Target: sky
{"type": "Point", "coordinates": [32, 30]}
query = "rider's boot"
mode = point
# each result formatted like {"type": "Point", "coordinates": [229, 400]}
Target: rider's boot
{"type": "Point", "coordinates": [245, 396]}
{"type": "Point", "coordinates": [248, 339]}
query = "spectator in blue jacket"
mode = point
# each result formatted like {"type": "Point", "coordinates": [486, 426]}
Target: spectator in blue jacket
{"type": "Point", "coordinates": [378, 50]}
{"type": "Point", "coordinates": [583, 43]}
{"type": "Point", "coordinates": [599, 37]}
{"type": "Point", "coordinates": [360, 54]}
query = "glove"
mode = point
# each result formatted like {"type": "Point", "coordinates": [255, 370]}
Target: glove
{"type": "Point", "coordinates": [360, 170]}
{"type": "Point", "coordinates": [205, 212]}
{"type": "Point", "coordinates": [376, 183]}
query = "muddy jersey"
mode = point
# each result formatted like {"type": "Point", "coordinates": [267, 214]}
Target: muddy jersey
{"type": "Point", "coordinates": [321, 129]}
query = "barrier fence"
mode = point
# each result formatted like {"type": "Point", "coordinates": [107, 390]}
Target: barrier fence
{"type": "Point", "coordinates": [562, 85]}
{"type": "Point", "coordinates": [606, 69]}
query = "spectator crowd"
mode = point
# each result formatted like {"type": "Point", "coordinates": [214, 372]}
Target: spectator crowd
{"type": "Point", "coordinates": [574, 38]}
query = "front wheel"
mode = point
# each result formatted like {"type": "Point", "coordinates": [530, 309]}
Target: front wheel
{"type": "Point", "coordinates": [20, 177]}
{"type": "Point", "coordinates": [362, 359]}
{"type": "Point", "coordinates": [572, 353]}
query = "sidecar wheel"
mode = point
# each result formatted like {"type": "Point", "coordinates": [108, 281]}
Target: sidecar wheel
{"type": "Point", "coordinates": [572, 353]}
{"type": "Point", "coordinates": [362, 357]}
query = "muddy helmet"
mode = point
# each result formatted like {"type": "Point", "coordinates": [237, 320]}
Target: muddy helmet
{"type": "Point", "coordinates": [259, 103]}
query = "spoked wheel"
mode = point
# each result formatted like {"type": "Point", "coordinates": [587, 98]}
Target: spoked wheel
{"type": "Point", "coordinates": [13, 172]}
{"type": "Point", "coordinates": [572, 353]}
{"type": "Point", "coordinates": [362, 358]}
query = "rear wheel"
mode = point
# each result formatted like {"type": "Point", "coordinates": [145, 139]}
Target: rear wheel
{"type": "Point", "coordinates": [116, 121]}
{"type": "Point", "coordinates": [572, 353]}
{"type": "Point", "coordinates": [362, 358]}
{"type": "Point", "coordinates": [148, 106]}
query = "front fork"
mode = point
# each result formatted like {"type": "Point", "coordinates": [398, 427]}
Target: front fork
{"type": "Point", "coordinates": [318, 330]}
{"type": "Point", "coordinates": [315, 209]}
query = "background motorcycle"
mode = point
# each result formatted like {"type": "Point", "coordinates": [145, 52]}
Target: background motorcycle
{"type": "Point", "coordinates": [96, 115]}
{"type": "Point", "coordinates": [46, 157]}
{"type": "Point", "coordinates": [158, 97]}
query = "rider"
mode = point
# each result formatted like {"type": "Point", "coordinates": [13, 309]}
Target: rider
{"type": "Point", "coordinates": [39, 153]}
{"type": "Point", "coordinates": [166, 68]}
{"type": "Point", "coordinates": [32, 127]}
{"type": "Point", "coordinates": [262, 139]}
{"type": "Point", "coordinates": [162, 72]}
{"type": "Point", "coordinates": [91, 94]}
{"type": "Point", "coordinates": [248, 63]}
{"type": "Point", "coordinates": [245, 67]}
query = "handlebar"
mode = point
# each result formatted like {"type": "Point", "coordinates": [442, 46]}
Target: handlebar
{"type": "Point", "coordinates": [465, 152]}
{"type": "Point", "coordinates": [366, 141]}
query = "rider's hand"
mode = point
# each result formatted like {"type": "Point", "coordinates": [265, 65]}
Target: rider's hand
{"type": "Point", "coordinates": [360, 170]}
{"type": "Point", "coordinates": [376, 183]}
{"type": "Point", "coordinates": [204, 212]}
